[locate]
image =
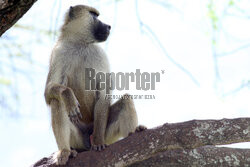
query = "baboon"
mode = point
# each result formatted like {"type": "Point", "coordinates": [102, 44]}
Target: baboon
{"type": "Point", "coordinates": [85, 131]}
{"type": "Point", "coordinates": [70, 104]}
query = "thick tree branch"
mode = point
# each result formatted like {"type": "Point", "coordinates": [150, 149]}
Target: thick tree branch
{"type": "Point", "coordinates": [11, 11]}
{"type": "Point", "coordinates": [169, 137]}
{"type": "Point", "coordinates": [202, 156]}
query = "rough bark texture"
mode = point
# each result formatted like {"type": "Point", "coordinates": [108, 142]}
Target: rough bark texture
{"type": "Point", "coordinates": [11, 11]}
{"type": "Point", "coordinates": [179, 144]}
{"type": "Point", "coordinates": [202, 156]}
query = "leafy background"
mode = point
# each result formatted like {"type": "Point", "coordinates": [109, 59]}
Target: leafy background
{"type": "Point", "coordinates": [203, 47]}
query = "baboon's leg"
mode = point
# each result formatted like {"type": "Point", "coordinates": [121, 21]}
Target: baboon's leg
{"type": "Point", "coordinates": [64, 110]}
{"type": "Point", "coordinates": [60, 126]}
{"type": "Point", "coordinates": [122, 120]}
{"type": "Point", "coordinates": [100, 121]}
{"type": "Point", "coordinates": [66, 134]}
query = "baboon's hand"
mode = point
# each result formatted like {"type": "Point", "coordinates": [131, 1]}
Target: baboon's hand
{"type": "Point", "coordinates": [99, 147]}
{"type": "Point", "coordinates": [140, 128]}
{"type": "Point", "coordinates": [96, 147]}
{"type": "Point", "coordinates": [74, 113]}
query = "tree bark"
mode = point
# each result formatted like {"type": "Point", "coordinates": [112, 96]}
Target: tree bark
{"type": "Point", "coordinates": [179, 144]}
{"type": "Point", "coordinates": [202, 156]}
{"type": "Point", "coordinates": [11, 11]}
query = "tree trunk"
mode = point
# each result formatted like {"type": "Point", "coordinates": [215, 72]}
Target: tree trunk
{"type": "Point", "coordinates": [11, 11]}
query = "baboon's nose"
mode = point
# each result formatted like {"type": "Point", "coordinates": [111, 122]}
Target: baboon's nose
{"type": "Point", "coordinates": [109, 27]}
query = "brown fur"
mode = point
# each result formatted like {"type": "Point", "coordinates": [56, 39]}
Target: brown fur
{"type": "Point", "coordinates": [75, 50]}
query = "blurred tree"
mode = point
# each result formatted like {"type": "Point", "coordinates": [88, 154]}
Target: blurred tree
{"type": "Point", "coordinates": [217, 14]}
{"type": "Point", "coordinates": [11, 11]}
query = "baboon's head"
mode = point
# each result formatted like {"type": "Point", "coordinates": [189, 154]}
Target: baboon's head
{"type": "Point", "coordinates": [82, 23]}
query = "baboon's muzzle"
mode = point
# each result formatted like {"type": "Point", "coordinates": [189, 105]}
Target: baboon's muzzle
{"type": "Point", "coordinates": [102, 31]}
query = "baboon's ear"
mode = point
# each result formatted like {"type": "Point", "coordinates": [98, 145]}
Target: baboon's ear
{"type": "Point", "coordinates": [71, 12]}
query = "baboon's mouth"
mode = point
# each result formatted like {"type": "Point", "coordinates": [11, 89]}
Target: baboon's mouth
{"type": "Point", "coordinates": [102, 36]}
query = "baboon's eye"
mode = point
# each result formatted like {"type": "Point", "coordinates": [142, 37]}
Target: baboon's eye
{"type": "Point", "coordinates": [94, 14]}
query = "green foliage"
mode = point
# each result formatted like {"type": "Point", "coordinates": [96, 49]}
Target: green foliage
{"type": "Point", "coordinates": [213, 15]}
{"type": "Point", "coordinates": [231, 3]}
{"type": "Point", "coordinates": [5, 81]}
{"type": "Point", "coordinates": [32, 28]}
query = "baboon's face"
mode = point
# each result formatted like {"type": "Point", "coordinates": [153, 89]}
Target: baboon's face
{"type": "Point", "coordinates": [100, 30]}
{"type": "Point", "coordinates": [82, 22]}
